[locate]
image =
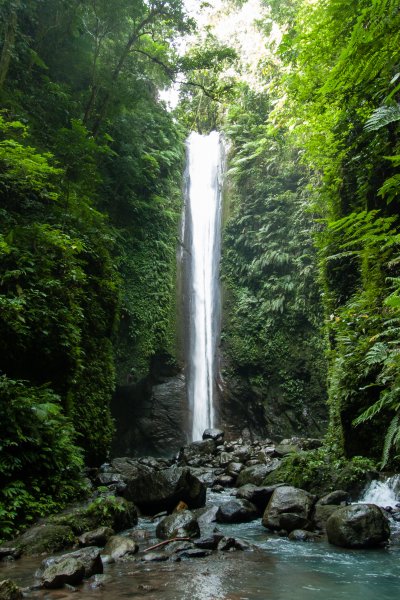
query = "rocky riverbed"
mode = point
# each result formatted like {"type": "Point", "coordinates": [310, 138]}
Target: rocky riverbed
{"type": "Point", "coordinates": [148, 522]}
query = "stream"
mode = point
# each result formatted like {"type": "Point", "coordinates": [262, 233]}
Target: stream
{"type": "Point", "coordinates": [275, 569]}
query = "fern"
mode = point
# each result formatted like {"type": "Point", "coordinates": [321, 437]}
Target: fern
{"type": "Point", "coordinates": [382, 116]}
{"type": "Point", "coordinates": [391, 438]}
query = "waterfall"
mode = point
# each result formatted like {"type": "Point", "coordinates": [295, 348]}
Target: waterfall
{"type": "Point", "coordinates": [383, 493]}
{"type": "Point", "coordinates": [201, 241]}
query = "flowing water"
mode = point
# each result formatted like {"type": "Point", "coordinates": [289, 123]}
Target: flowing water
{"type": "Point", "coordinates": [202, 243]}
{"type": "Point", "coordinates": [275, 569]}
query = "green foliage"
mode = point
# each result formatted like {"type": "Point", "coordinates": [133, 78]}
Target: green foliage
{"type": "Point", "coordinates": [321, 471]}
{"type": "Point", "coordinates": [40, 465]}
{"type": "Point", "coordinates": [271, 333]}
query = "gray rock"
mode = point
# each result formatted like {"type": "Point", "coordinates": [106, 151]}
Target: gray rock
{"type": "Point", "coordinates": [195, 553]}
{"type": "Point", "coordinates": [214, 434]}
{"type": "Point", "coordinates": [234, 468]}
{"type": "Point", "coordinates": [207, 516]}
{"type": "Point", "coordinates": [257, 473]}
{"type": "Point", "coordinates": [119, 546]}
{"type": "Point", "coordinates": [225, 458]}
{"type": "Point", "coordinates": [321, 514]}
{"type": "Point", "coordinates": [89, 557]}
{"type": "Point", "coordinates": [45, 538]}
{"type": "Point", "coordinates": [66, 571]}
{"type": "Point", "coordinates": [9, 552]}
{"type": "Point", "coordinates": [258, 495]}
{"type": "Point", "coordinates": [9, 590]}
{"type": "Point", "coordinates": [181, 524]}
{"type": "Point", "coordinates": [242, 453]}
{"type": "Point", "coordinates": [300, 535]}
{"type": "Point", "coordinates": [162, 490]}
{"type": "Point", "coordinates": [97, 537]}
{"type": "Point", "coordinates": [155, 557]}
{"type": "Point", "coordinates": [209, 539]}
{"type": "Point", "coordinates": [337, 497]}
{"type": "Point", "coordinates": [288, 509]}
{"type": "Point", "coordinates": [358, 526]}
{"type": "Point", "coordinates": [229, 544]}
{"type": "Point", "coordinates": [225, 481]}
{"type": "Point", "coordinates": [237, 511]}
{"type": "Point", "coordinates": [197, 450]}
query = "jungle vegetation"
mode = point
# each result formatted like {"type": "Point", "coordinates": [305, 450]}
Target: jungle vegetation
{"type": "Point", "coordinates": [91, 165]}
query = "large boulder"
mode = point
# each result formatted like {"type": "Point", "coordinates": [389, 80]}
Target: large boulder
{"type": "Point", "coordinates": [358, 526]}
{"type": "Point", "coordinates": [119, 546]}
{"type": "Point", "coordinates": [197, 452]}
{"type": "Point", "coordinates": [45, 538]}
{"type": "Point", "coordinates": [181, 524]}
{"type": "Point", "coordinates": [97, 537]}
{"type": "Point", "coordinates": [258, 495]}
{"type": "Point", "coordinates": [257, 473]}
{"type": "Point", "coordinates": [214, 434]}
{"type": "Point", "coordinates": [237, 511]}
{"type": "Point", "coordinates": [89, 557]}
{"type": "Point", "coordinates": [67, 571]}
{"type": "Point", "coordinates": [162, 490]}
{"type": "Point", "coordinates": [105, 511]}
{"type": "Point", "coordinates": [289, 508]}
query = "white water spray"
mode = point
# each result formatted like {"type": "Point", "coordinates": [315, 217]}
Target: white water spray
{"type": "Point", "coordinates": [383, 493]}
{"type": "Point", "coordinates": [202, 237]}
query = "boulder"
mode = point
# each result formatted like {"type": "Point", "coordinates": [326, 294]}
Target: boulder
{"type": "Point", "coordinates": [119, 546]}
{"type": "Point", "coordinates": [66, 571]}
{"type": "Point", "coordinates": [337, 498]}
{"type": "Point", "coordinates": [105, 511]}
{"type": "Point", "coordinates": [225, 481]}
{"type": "Point", "coordinates": [9, 552]}
{"type": "Point", "coordinates": [237, 511]}
{"type": "Point", "coordinates": [321, 514]}
{"type": "Point", "coordinates": [89, 557]}
{"type": "Point", "coordinates": [45, 538]}
{"type": "Point", "coordinates": [207, 516]}
{"type": "Point", "coordinates": [155, 557]}
{"type": "Point", "coordinates": [182, 524]}
{"type": "Point", "coordinates": [289, 508]}
{"type": "Point", "coordinates": [97, 537]}
{"type": "Point", "coordinates": [199, 451]}
{"type": "Point", "coordinates": [258, 495]}
{"type": "Point", "coordinates": [162, 490]}
{"type": "Point", "coordinates": [229, 544]}
{"type": "Point", "coordinates": [209, 538]}
{"type": "Point", "coordinates": [257, 473]}
{"type": "Point", "coordinates": [9, 590]}
{"type": "Point", "coordinates": [214, 434]}
{"type": "Point", "coordinates": [242, 453]}
{"type": "Point", "coordinates": [300, 535]}
{"type": "Point", "coordinates": [358, 526]}
{"type": "Point", "coordinates": [234, 468]}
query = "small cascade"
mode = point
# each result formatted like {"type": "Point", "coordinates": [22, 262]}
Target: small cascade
{"type": "Point", "coordinates": [383, 493]}
{"type": "Point", "coordinates": [201, 240]}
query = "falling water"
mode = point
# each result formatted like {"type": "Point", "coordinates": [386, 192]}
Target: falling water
{"type": "Point", "coordinates": [202, 243]}
{"type": "Point", "coordinates": [383, 493]}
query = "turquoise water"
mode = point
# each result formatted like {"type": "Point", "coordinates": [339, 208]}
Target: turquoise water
{"type": "Point", "coordinates": [275, 569]}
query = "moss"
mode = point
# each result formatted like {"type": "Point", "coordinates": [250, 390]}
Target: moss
{"type": "Point", "coordinates": [320, 472]}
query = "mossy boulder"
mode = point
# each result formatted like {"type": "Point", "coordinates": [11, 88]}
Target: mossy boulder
{"type": "Point", "coordinates": [47, 537]}
{"type": "Point", "coordinates": [108, 511]}
{"type": "Point", "coordinates": [9, 590]}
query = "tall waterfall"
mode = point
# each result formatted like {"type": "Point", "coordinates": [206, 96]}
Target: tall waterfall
{"type": "Point", "coordinates": [202, 224]}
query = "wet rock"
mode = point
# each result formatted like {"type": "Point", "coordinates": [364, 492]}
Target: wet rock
{"type": "Point", "coordinates": [195, 553]}
{"type": "Point", "coordinates": [358, 526]}
{"type": "Point", "coordinates": [321, 514]}
{"type": "Point", "coordinates": [45, 538]}
{"type": "Point", "coordinates": [89, 557]}
{"type": "Point", "coordinates": [197, 450]}
{"type": "Point", "coordinates": [258, 495]}
{"type": "Point", "coordinates": [204, 474]}
{"type": "Point", "coordinates": [225, 458]}
{"type": "Point", "coordinates": [67, 571]}
{"type": "Point", "coordinates": [214, 434]}
{"type": "Point", "coordinates": [242, 453]}
{"type": "Point", "coordinates": [179, 546]}
{"type": "Point", "coordinates": [155, 557]}
{"type": "Point", "coordinates": [209, 539]}
{"type": "Point", "coordinates": [337, 497]}
{"type": "Point", "coordinates": [288, 509]}
{"type": "Point", "coordinates": [257, 473]}
{"type": "Point", "coordinates": [9, 590]}
{"type": "Point", "coordinates": [217, 488]}
{"type": "Point", "coordinates": [224, 481]}
{"type": "Point", "coordinates": [119, 546]}
{"type": "Point", "coordinates": [234, 468]}
{"type": "Point", "coordinates": [229, 544]}
{"type": "Point", "coordinates": [162, 490]}
{"type": "Point", "coordinates": [97, 537]}
{"type": "Point", "coordinates": [182, 524]}
{"type": "Point", "coordinates": [300, 535]}
{"type": "Point", "coordinates": [237, 511]}
{"type": "Point", "coordinates": [207, 516]}
{"type": "Point", "coordinates": [7, 552]}
{"type": "Point", "coordinates": [99, 581]}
